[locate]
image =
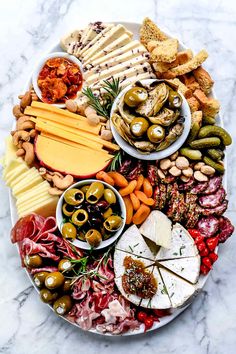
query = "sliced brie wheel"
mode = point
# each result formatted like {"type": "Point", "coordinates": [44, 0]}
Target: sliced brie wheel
{"type": "Point", "coordinates": [179, 290]}
{"type": "Point", "coordinates": [187, 268]}
{"type": "Point", "coordinates": [119, 270]}
{"type": "Point", "coordinates": [182, 245]}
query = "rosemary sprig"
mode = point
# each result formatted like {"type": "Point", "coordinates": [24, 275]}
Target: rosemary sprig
{"type": "Point", "coordinates": [116, 161]}
{"type": "Point", "coordinates": [95, 102]}
{"type": "Point", "coordinates": [112, 87]}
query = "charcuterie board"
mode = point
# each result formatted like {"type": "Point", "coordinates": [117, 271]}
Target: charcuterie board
{"type": "Point", "coordinates": [161, 217]}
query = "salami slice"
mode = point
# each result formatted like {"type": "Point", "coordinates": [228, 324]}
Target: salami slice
{"type": "Point", "coordinates": [219, 210]}
{"type": "Point", "coordinates": [187, 186]}
{"type": "Point", "coordinates": [43, 269]}
{"type": "Point", "coordinates": [199, 188]}
{"type": "Point", "coordinates": [27, 226]}
{"type": "Point", "coordinates": [152, 174]}
{"type": "Point", "coordinates": [212, 200]}
{"type": "Point", "coordinates": [226, 229]}
{"type": "Point", "coordinates": [156, 197]}
{"type": "Point", "coordinates": [213, 185]}
{"type": "Point", "coordinates": [29, 247]}
{"type": "Point", "coordinates": [162, 201]}
{"type": "Point", "coordinates": [208, 226]}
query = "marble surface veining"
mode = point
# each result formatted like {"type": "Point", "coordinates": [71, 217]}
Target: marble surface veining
{"type": "Point", "coordinates": [27, 29]}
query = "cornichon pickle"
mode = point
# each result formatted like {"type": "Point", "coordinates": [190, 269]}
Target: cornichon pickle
{"type": "Point", "coordinates": [205, 143]}
{"type": "Point", "coordinates": [215, 154]}
{"type": "Point", "coordinates": [214, 130]}
{"type": "Point", "coordinates": [209, 120]}
{"type": "Point", "coordinates": [193, 132]}
{"type": "Point", "coordinates": [216, 165]}
{"type": "Point", "coordinates": [191, 153]}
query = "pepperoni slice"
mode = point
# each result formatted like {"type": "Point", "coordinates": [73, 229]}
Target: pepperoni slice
{"type": "Point", "coordinates": [208, 226]}
{"type": "Point", "coordinates": [212, 200]}
{"type": "Point", "coordinates": [213, 185]}
{"type": "Point", "coordinates": [219, 210]}
{"type": "Point", "coordinates": [226, 229]}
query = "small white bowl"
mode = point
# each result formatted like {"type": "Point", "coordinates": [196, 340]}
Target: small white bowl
{"type": "Point", "coordinates": [40, 65]}
{"type": "Point", "coordinates": [83, 244]}
{"type": "Point", "coordinates": [185, 112]}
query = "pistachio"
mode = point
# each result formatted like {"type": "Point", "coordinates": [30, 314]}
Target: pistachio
{"type": "Point", "coordinates": [182, 163]}
{"type": "Point", "coordinates": [208, 170]}
{"type": "Point", "coordinates": [188, 172]}
{"type": "Point", "coordinates": [198, 166]}
{"type": "Point", "coordinates": [165, 164]}
{"type": "Point", "coordinates": [175, 171]}
{"type": "Point", "coordinates": [200, 177]}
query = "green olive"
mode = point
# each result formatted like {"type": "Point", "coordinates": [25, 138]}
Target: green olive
{"type": "Point", "coordinates": [64, 265]}
{"type": "Point", "coordinates": [67, 285]}
{"type": "Point", "coordinates": [39, 279]}
{"type": "Point", "coordinates": [109, 196]}
{"type": "Point", "coordinates": [33, 261]}
{"type": "Point", "coordinates": [79, 217]}
{"type": "Point", "coordinates": [93, 237]}
{"type": "Point", "coordinates": [135, 96]}
{"type": "Point", "coordinates": [85, 188]}
{"type": "Point", "coordinates": [54, 280]}
{"type": "Point", "coordinates": [67, 209]}
{"type": "Point", "coordinates": [74, 196]}
{"type": "Point", "coordinates": [155, 133]}
{"type": "Point", "coordinates": [95, 192]}
{"type": "Point", "coordinates": [62, 305]}
{"type": "Point", "coordinates": [68, 231]}
{"type": "Point", "coordinates": [139, 126]}
{"type": "Point", "coordinates": [108, 213]}
{"type": "Point", "coordinates": [112, 223]}
{"type": "Point", "coordinates": [47, 296]}
{"type": "Point", "coordinates": [174, 98]}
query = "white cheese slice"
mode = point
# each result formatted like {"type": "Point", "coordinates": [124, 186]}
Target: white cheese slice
{"type": "Point", "coordinates": [96, 39]}
{"type": "Point", "coordinates": [113, 61]}
{"type": "Point", "coordinates": [119, 270]}
{"type": "Point", "coordinates": [161, 299]}
{"type": "Point", "coordinates": [115, 53]}
{"type": "Point", "coordinates": [157, 228]}
{"type": "Point", "coordinates": [104, 41]}
{"type": "Point", "coordinates": [187, 268]}
{"type": "Point", "coordinates": [115, 43]}
{"type": "Point", "coordinates": [182, 245]}
{"type": "Point", "coordinates": [132, 242]}
{"type": "Point", "coordinates": [121, 66]}
{"type": "Point", "coordinates": [179, 290]}
{"type": "Point", "coordinates": [131, 80]}
{"type": "Point", "coordinates": [68, 39]}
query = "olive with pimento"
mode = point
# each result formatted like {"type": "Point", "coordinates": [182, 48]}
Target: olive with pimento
{"type": "Point", "coordinates": [135, 96]}
{"type": "Point", "coordinates": [139, 126]}
{"type": "Point", "coordinates": [174, 99]}
{"type": "Point", "coordinates": [156, 133]}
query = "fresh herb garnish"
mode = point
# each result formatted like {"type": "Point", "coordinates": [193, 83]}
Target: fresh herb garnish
{"type": "Point", "coordinates": [180, 250]}
{"type": "Point", "coordinates": [116, 161]}
{"type": "Point", "coordinates": [131, 249]}
{"type": "Point", "coordinates": [95, 103]}
{"type": "Point", "coordinates": [164, 290]}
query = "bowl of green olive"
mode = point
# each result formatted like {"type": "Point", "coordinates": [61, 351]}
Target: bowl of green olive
{"type": "Point", "coordinates": [150, 119]}
{"type": "Point", "coordinates": [91, 214]}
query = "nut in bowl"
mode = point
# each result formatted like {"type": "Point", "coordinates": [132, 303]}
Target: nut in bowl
{"type": "Point", "coordinates": [150, 120]}
{"type": "Point", "coordinates": [57, 78]}
{"type": "Point", "coordinates": [91, 214]}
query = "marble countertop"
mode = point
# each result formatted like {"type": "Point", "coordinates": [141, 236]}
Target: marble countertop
{"type": "Point", "coordinates": [28, 28]}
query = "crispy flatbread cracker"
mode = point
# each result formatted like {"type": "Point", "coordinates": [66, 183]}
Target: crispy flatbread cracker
{"type": "Point", "coordinates": [181, 58]}
{"type": "Point", "coordinates": [192, 64]}
{"type": "Point", "coordinates": [194, 105]}
{"type": "Point", "coordinates": [204, 79]}
{"type": "Point", "coordinates": [181, 87]}
{"type": "Point", "coordinates": [149, 31]}
{"type": "Point", "coordinates": [165, 51]}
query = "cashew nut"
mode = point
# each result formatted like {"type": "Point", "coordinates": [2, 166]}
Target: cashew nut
{"type": "Point", "coordinates": [27, 124]}
{"type": "Point", "coordinates": [17, 111]}
{"type": "Point", "coordinates": [20, 152]}
{"type": "Point", "coordinates": [55, 191]}
{"type": "Point", "coordinates": [42, 171]}
{"type": "Point", "coordinates": [26, 100]}
{"type": "Point", "coordinates": [33, 133]}
{"type": "Point", "coordinates": [29, 152]}
{"type": "Point", "coordinates": [20, 135]}
{"type": "Point", "coordinates": [62, 183]}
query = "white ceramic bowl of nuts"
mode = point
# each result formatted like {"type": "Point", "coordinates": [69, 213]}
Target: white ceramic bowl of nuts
{"type": "Point", "coordinates": [180, 166]}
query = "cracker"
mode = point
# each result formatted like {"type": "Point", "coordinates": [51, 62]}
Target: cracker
{"type": "Point", "coordinates": [181, 87]}
{"type": "Point", "coordinates": [149, 31]}
{"type": "Point", "coordinates": [165, 51]}
{"type": "Point", "coordinates": [192, 64]}
{"type": "Point", "coordinates": [204, 79]}
{"type": "Point", "coordinates": [211, 108]}
{"type": "Point", "coordinates": [181, 58]}
{"type": "Point", "coordinates": [194, 105]}
{"type": "Point", "coordinates": [201, 97]}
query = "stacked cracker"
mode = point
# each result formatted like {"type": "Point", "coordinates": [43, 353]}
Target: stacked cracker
{"type": "Point", "coordinates": [181, 68]}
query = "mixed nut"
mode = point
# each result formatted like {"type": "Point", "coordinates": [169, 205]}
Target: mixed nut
{"type": "Point", "coordinates": [91, 213]}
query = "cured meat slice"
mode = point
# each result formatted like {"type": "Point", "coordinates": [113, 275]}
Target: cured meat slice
{"type": "Point", "coordinates": [208, 226]}
{"type": "Point", "coordinates": [29, 247]}
{"type": "Point", "coordinates": [226, 229]}
{"type": "Point", "coordinates": [27, 226]}
{"type": "Point", "coordinates": [43, 269]}
{"type": "Point", "coordinates": [152, 174]}
{"type": "Point", "coordinates": [49, 226]}
{"type": "Point", "coordinates": [133, 242]}
{"type": "Point", "coordinates": [219, 210]}
{"type": "Point", "coordinates": [192, 213]}
{"type": "Point", "coordinates": [187, 186]}
{"type": "Point", "coordinates": [179, 290]}
{"type": "Point", "coordinates": [199, 188]}
{"type": "Point", "coordinates": [212, 200]}
{"type": "Point", "coordinates": [213, 185]}
{"type": "Point", "coordinates": [181, 208]}
{"type": "Point", "coordinates": [156, 197]}
{"type": "Point", "coordinates": [187, 268]}
{"type": "Point", "coordinates": [161, 299]}
{"type": "Point", "coordinates": [162, 200]}
{"type": "Point", "coordinates": [182, 245]}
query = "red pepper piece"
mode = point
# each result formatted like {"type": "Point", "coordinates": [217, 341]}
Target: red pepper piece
{"type": "Point", "coordinates": [204, 269]}
{"type": "Point", "coordinates": [194, 233]}
{"type": "Point", "coordinates": [204, 252]}
{"type": "Point", "coordinates": [148, 323]}
{"type": "Point", "coordinates": [213, 257]}
{"type": "Point", "coordinates": [199, 239]}
{"type": "Point", "coordinates": [201, 246]}
{"type": "Point", "coordinates": [212, 242]}
{"type": "Point", "coordinates": [141, 316]}
{"type": "Point", "coordinates": [207, 262]}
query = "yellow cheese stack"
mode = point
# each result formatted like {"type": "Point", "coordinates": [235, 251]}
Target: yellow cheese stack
{"type": "Point", "coordinates": [28, 187]}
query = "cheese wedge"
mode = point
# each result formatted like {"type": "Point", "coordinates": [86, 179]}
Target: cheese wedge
{"type": "Point", "coordinates": [182, 245]}
{"type": "Point", "coordinates": [179, 290]}
{"type": "Point", "coordinates": [72, 37]}
{"type": "Point", "coordinates": [119, 270]}
{"type": "Point", "coordinates": [137, 77]}
{"type": "Point", "coordinates": [161, 299]}
{"type": "Point", "coordinates": [44, 207]}
{"type": "Point", "coordinates": [187, 268]}
{"type": "Point", "coordinates": [132, 242]}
